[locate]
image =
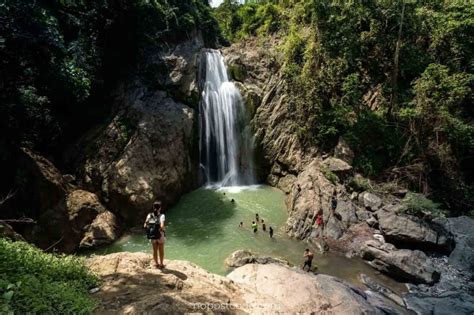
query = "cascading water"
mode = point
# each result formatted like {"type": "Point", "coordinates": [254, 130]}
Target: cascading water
{"type": "Point", "coordinates": [226, 144]}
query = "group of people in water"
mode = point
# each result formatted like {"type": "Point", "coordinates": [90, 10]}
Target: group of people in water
{"type": "Point", "coordinates": [155, 227]}
{"type": "Point", "coordinates": [255, 224]}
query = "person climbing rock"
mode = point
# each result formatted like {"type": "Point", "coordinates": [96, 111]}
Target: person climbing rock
{"type": "Point", "coordinates": [270, 230]}
{"type": "Point", "coordinates": [256, 217]}
{"type": "Point", "coordinates": [254, 227]}
{"type": "Point", "coordinates": [264, 227]}
{"type": "Point", "coordinates": [155, 226]}
{"type": "Point", "coordinates": [308, 256]}
{"type": "Point", "coordinates": [334, 201]}
{"type": "Point", "coordinates": [319, 220]}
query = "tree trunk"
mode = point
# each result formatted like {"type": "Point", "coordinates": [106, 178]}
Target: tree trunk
{"type": "Point", "coordinates": [396, 58]}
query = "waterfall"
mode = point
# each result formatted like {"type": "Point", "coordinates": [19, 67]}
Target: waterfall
{"type": "Point", "coordinates": [226, 143]}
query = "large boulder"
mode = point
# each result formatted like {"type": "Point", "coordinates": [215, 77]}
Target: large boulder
{"type": "Point", "coordinates": [44, 188]}
{"type": "Point", "coordinates": [347, 212]}
{"type": "Point", "coordinates": [337, 166]}
{"type": "Point", "coordinates": [66, 229]}
{"type": "Point", "coordinates": [343, 151]}
{"type": "Point", "coordinates": [243, 257]}
{"type": "Point", "coordinates": [413, 232]}
{"type": "Point", "coordinates": [370, 201]}
{"type": "Point", "coordinates": [63, 213]}
{"type": "Point", "coordinates": [462, 256]}
{"type": "Point", "coordinates": [402, 264]}
{"type": "Point", "coordinates": [311, 192]}
{"type": "Point", "coordinates": [294, 291]}
{"type": "Point", "coordinates": [148, 152]}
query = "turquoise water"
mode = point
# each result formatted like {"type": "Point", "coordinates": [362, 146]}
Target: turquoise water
{"type": "Point", "coordinates": [204, 228]}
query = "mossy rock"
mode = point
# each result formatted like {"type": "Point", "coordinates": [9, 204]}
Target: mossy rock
{"type": "Point", "coordinates": [237, 72]}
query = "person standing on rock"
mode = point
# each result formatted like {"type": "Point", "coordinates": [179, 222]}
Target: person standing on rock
{"type": "Point", "coordinates": [264, 227]}
{"type": "Point", "coordinates": [270, 230]}
{"type": "Point", "coordinates": [308, 259]}
{"type": "Point", "coordinates": [155, 225]}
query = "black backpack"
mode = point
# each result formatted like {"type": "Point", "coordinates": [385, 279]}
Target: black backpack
{"type": "Point", "coordinates": [153, 231]}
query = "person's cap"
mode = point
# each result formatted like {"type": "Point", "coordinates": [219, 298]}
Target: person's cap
{"type": "Point", "coordinates": [157, 204]}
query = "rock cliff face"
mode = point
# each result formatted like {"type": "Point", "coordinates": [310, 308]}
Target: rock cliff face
{"type": "Point", "coordinates": [149, 150]}
{"type": "Point", "coordinates": [308, 180]}
{"type": "Point", "coordinates": [255, 69]}
{"type": "Point", "coordinates": [352, 214]}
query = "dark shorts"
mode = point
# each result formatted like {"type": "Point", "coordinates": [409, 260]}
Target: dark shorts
{"type": "Point", "coordinates": [307, 263]}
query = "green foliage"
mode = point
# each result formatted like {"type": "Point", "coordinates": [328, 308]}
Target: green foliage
{"type": "Point", "coordinates": [250, 19]}
{"type": "Point", "coordinates": [422, 207]}
{"type": "Point", "coordinates": [359, 183]}
{"type": "Point", "coordinates": [415, 127]}
{"type": "Point", "coordinates": [237, 72]}
{"type": "Point", "coordinates": [61, 60]}
{"type": "Point", "coordinates": [35, 282]}
{"type": "Point", "coordinates": [58, 57]}
{"type": "Point", "coordinates": [330, 176]}
{"type": "Point", "coordinates": [376, 143]}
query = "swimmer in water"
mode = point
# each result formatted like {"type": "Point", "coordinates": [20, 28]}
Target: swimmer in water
{"type": "Point", "coordinates": [308, 259]}
{"type": "Point", "coordinates": [254, 227]}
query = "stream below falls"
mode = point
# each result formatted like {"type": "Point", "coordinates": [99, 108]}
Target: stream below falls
{"type": "Point", "coordinates": [204, 228]}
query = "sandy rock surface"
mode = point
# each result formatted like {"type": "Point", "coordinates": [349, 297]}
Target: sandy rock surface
{"type": "Point", "coordinates": [132, 286]}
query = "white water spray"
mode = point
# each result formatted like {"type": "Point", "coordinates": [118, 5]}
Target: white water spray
{"type": "Point", "coordinates": [226, 142]}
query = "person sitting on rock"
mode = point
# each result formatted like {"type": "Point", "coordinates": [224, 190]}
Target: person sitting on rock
{"type": "Point", "coordinates": [155, 225]}
{"type": "Point", "coordinates": [308, 256]}
{"type": "Point", "coordinates": [254, 227]}
{"type": "Point", "coordinates": [264, 227]}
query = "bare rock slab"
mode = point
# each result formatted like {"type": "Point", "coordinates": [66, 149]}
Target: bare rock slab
{"type": "Point", "coordinates": [402, 264]}
{"type": "Point", "coordinates": [414, 232]}
{"type": "Point", "coordinates": [243, 257]}
{"type": "Point", "coordinates": [294, 291]}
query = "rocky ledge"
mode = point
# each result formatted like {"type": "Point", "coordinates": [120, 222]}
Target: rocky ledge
{"type": "Point", "coordinates": [132, 286]}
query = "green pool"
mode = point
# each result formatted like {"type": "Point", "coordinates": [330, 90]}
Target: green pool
{"type": "Point", "coordinates": [204, 228]}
